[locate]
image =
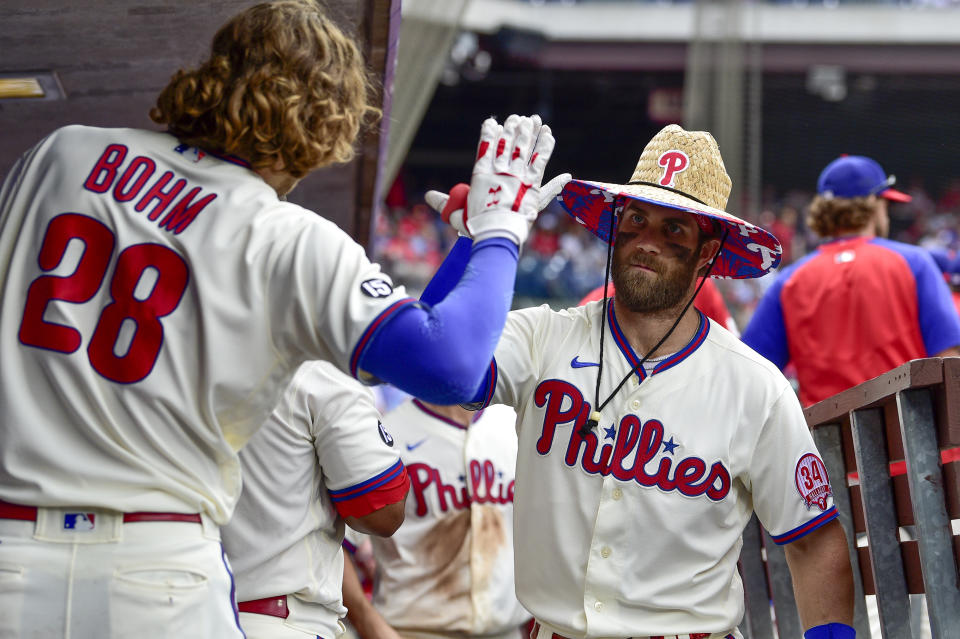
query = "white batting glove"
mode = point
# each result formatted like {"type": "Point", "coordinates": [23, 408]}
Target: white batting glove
{"type": "Point", "coordinates": [453, 207]}
{"type": "Point", "coordinates": [505, 184]}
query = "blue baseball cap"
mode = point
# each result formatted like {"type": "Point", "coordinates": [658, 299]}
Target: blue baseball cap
{"type": "Point", "coordinates": [857, 176]}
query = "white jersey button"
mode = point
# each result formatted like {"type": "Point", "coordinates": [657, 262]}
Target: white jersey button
{"type": "Point", "coordinates": [635, 403]}
{"type": "Point", "coordinates": [605, 552]}
{"type": "Point", "coordinates": [598, 606]}
{"type": "Point", "coordinates": [617, 493]}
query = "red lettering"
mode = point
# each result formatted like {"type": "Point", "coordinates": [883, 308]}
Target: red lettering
{"type": "Point", "coordinates": [563, 403]}
{"type": "Point", "coordinates": [718, 472]}
{"type": "Point", "coordinates": [446, 490]}
{"type": "Point", "coordinates": [489, 475]}
{"type": "Point", "coordinates": [147, 165]}
{"type": "Point", "coordinates": [163, 198]}
{"type": "Point", "coordinates": [104, 172]}
{"type": "Point", "coordinates": [184, 212]}
{"type": "Point", "coordinates": [663, 474]}
{"type": "Point", "coordinates": [589, 445]}
{"type": "Point", "coordinates": [476, 481]}
{"type": "Point", "coordinates": [553, 393]}
{"type": "Point", "coordinates": [421, 476]}
{"type": "Point", "coordinates": [688, 472]}
{"type": "Point", "coordinates": [485, 488]}
{"type": "Point", "coordinates": [627, 436]}
{"type": "Point", "coordinates": [651, 436]}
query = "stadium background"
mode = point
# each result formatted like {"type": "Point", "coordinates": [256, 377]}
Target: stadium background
{"type": "Point", "coordinates": [785, 86]}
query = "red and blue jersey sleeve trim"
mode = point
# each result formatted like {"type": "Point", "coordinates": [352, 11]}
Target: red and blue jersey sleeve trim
{"type": "Point", "coordinates": [828, 515]}
{"type": "Point", "coordinates": [379, 322]}
{"type": "Point", "coordinates": [384, 489]}
{"type": "Point", "coordinates": [349, 547]}
{"type": "Point", "coordinates": [491, 384]}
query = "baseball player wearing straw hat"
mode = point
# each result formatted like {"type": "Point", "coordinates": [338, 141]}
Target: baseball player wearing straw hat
{"type": "Point", "coordinates": [322, 458]}
{"type": "Point", "coordinates": [860, 304]}
{"type": "Point", "coordinates": [448, 572]}
{"type": "Point", "coordinates": [158, 294]}
{"type": "Point", "coordinates": [648, 435]}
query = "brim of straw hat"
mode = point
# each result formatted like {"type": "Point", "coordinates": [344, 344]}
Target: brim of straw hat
{"type": "Point", "coordinates": [749, 251]}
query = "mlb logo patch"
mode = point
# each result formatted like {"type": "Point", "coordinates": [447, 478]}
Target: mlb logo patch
{"type": "Point", "coordinates": [78, 521]}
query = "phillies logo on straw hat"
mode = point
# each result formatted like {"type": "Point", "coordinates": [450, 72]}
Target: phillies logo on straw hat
{"type": "Point", "coordinates": [672, 162]}
{"type": "Point", "coordinates": [812, 481]}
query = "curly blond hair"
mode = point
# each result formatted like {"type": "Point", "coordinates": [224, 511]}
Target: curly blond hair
{"type": "Point", "coordinates": [829, 217]}
{"type": "Point", "coordinates": [283, 87]}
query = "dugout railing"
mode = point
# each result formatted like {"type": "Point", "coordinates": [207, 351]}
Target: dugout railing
{"type": "Point", "coordinates": [891, 446]}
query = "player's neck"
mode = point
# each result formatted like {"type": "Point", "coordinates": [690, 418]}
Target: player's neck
{"type": "Point", "coordinates": [454, 413]}
{"type": "Point", "coordinates": [281, 181]}
{"type": "Point", "coordinates": [644, 330]}
{"type": "Point", "coordinates": [866, 231]}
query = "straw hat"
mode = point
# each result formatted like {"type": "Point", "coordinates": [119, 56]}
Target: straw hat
{"type": "Point", "coordinates": [682, 170]}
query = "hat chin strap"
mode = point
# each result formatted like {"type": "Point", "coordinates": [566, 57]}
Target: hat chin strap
{"type": "Point", "coordinates": [595, 416]}
{"type": "Point", "coordinates": [668, 188]}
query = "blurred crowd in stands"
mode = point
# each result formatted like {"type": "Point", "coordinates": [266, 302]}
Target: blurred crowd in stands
{"type": "Point", "coordinates": [561, 262]}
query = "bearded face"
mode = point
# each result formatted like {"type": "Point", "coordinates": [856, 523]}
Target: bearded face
{"type": "Point", "coordinates": [649, 292]}
{"type": "Point", "coordinates": [654, 259]}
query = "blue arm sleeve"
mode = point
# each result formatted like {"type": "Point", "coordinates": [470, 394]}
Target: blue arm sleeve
{"type": "Point", "coordinates": [830, 631]}
{"type": "Point", "coordinates": [442, 353]}
{"type": "Point", "coordinates": [449, 273]}
{"type": "Point", "coordinates": [766, 333]}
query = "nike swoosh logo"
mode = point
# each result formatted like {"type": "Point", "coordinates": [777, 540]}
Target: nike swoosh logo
{"type": "Point", "coordinates": [576, 363]}
{"type": "Point", "coordinates": [412, 446]}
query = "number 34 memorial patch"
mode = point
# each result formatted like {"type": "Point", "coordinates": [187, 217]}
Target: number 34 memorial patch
{"type": "Point", "coordinates": [812, 481]}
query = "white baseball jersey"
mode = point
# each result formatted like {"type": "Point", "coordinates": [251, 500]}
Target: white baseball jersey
{"type": "Point", "coordinates": [156, 301]}
{"type": "Point", "coordinates": [322, 450]}
{"type": "Point", "coordinates": [449, 568]}
{"type": "Point", "coordinates": [635, 529]}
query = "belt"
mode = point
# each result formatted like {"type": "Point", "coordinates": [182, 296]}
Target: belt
{"type": "Point", "coordinates": [693, 635]}
{"type": "Point", "coordinates": [272, 606]}
{"type": "Point", "coordinates": [29, 513]}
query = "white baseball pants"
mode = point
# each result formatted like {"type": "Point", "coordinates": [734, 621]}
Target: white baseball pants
{"type": "Point", "coordinates": [98, 577]}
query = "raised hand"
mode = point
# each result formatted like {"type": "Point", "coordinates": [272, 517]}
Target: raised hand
{"type": "Point", "coordinates": [505, 190]}
{"type": "Point", "coordinates": [452, 207]}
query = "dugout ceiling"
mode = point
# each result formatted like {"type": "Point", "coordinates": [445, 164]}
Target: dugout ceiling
{"type": "Point", "coordinates": [113, 58]}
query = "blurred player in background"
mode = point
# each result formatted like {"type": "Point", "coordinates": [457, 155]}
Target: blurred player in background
{"type": "Point", "coordinates": [158, 294]}
{"type": "Point", "coordinates": [949, 265]}
{"type": "Point", "coordinates": [860, 304]}
{"type": "Point", "coordinates": [363, 620]}
{"type": "Point", "coordinates": [323, 458]}
{"type": "Point", "coordinates": [449, 571]}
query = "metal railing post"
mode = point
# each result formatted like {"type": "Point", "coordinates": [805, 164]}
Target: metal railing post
{"type": "Point", "coordinates": [934, 532]}
{"type": "Point", "coordinates": [873, 464]}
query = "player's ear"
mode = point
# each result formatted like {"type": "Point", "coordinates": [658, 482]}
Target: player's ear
{"type": "Point", "coordinates": [709, 249]}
